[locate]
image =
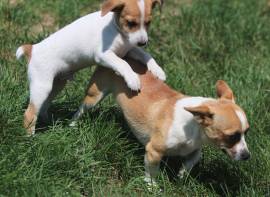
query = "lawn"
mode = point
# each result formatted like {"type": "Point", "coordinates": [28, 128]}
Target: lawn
{"type": "Point", "coordinates": [197, 42]}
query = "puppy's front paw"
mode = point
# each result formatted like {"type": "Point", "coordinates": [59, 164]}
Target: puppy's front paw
{"type": "Point", "coordinates": [133, 81]}
{"type": "Point", "coordinates": [156, 70]}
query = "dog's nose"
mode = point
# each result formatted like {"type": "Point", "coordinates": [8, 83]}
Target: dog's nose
{"type": "Point", "coordinates": [141, 44]}
{"type": "Point", "coordinates": [245, 155]}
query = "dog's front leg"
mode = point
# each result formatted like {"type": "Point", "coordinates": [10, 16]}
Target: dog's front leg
{"type": "Point", "coordinates": [110, 60]}
{"type": "Point", "coordinates": [152, 161]}
{"type": "Point", "coordinates": [189, 162]}
{"type": "Point", "coordinates": [145, 58]}
{"type": "Point", "coordinates": [151, 171]}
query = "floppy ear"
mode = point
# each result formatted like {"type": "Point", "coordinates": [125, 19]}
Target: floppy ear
{"type": "Point", "coordinates": [224, 91]}
{"type": "Point", "coordinates": [111, 6]}
{"type": "Point", "coordinates": [202, 114]}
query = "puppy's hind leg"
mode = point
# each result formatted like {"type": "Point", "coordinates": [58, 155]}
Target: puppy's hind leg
{"type": "Point", "coordinates": [97, 89]}
{"type": "Point", "coordinates": [39, 92]}
{"type": "Point", "coordinates": [58, 85]}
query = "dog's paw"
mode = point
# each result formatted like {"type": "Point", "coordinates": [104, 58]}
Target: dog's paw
{"type": "Point", "coordinates": [151, 185]}
{"type": "Point", "coordinates": [156, 70]}
{"type": "Point", "coordinates": [133, 81]}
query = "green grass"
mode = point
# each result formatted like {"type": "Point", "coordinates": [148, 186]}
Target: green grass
{"type": "Point", "coordinates": [197, 43]}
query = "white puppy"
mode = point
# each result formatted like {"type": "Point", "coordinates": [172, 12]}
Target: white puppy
{"type": "Point", "coordinates": [102, 38]}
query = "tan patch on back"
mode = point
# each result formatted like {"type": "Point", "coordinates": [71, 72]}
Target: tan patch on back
{"type": "Point", "coordinates": [151, 110]}
{"type": "Point", "coordinates": [28, 51]}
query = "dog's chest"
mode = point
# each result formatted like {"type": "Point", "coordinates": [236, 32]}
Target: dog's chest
{"type": "Point", "coordinates": [120, 46]}
{"type": "Point", "coordinates": [182, 145]}
{"type": "Point", "coordinates": [184, 136]}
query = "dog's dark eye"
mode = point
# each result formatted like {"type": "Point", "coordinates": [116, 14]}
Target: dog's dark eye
{"type": "Point", "coordinates": [132, 24]}
{"type": "Point", "coordinates": [234, 138]}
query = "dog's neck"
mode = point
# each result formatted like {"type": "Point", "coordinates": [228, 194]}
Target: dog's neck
{"type": "Point", "coordinates": [184, 116]}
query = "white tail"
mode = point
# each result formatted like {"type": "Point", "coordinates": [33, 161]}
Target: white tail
{"type": "Point", "coordinates": [19, 53]}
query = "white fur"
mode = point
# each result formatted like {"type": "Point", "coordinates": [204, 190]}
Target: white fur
{"type": "Point", "coordinates": [19, 53]}
{"type": "Point", "coordinates": [242, 119]}
{"type": "Point", "coordinates": [140, 36]}
{"type": "Point", "coordinates": [240, 147]}
{"type": "Point", "coordinates": [184, 136]}
{"type": "Point", "coordinates": [139, 55]}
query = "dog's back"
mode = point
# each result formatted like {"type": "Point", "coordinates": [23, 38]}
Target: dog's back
{"type": "Point", "coordinates": [146, 111]}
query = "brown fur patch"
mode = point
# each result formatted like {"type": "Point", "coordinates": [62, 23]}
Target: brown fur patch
{"type": "Point", "coordinates": [27, 49]}
{"type": "Point", "coordinates": [224, 91]}
{"type": "Point", "coordinates": [149, 111]}
{"type": "Point", "coordinates": [111, 5]}
{"type": "Point", "coordinates": [154, 156]}
{"type": "Point", "coordinates": [130, 12]}
{"type": "Point", "coordinates": [92, 96]}
{"type": "Point", "coordinates": [30, 118]}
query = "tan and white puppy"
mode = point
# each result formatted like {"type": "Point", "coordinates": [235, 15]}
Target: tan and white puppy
{"type": "Point", "coordinates": [170, 123]}
{"type": "Point", "coordinates": [102, 37]}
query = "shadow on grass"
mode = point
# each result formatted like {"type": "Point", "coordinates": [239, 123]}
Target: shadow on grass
{"type": "Point", "coordinates": [57, 113]}
{"type": "Point", "coordinates": [216, 175]}
{"type": "Point", "coordinates": [220, 177]}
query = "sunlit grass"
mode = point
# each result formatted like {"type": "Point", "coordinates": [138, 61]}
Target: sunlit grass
{"type": "Point", "coordinates": [197, 42]}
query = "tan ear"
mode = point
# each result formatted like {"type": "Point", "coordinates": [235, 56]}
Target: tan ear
{"type": "Point", "coordinates": [224, 91]}
{"type": "Point", "coordinates": [202, 114]}
{"type": "Point", "coordinates": [111, 6]}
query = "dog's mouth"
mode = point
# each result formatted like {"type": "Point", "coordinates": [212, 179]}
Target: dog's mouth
{"type": "Point", "coordinates": [242, 156]}
{"type": "Point", "coordinates": [227, 151]}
